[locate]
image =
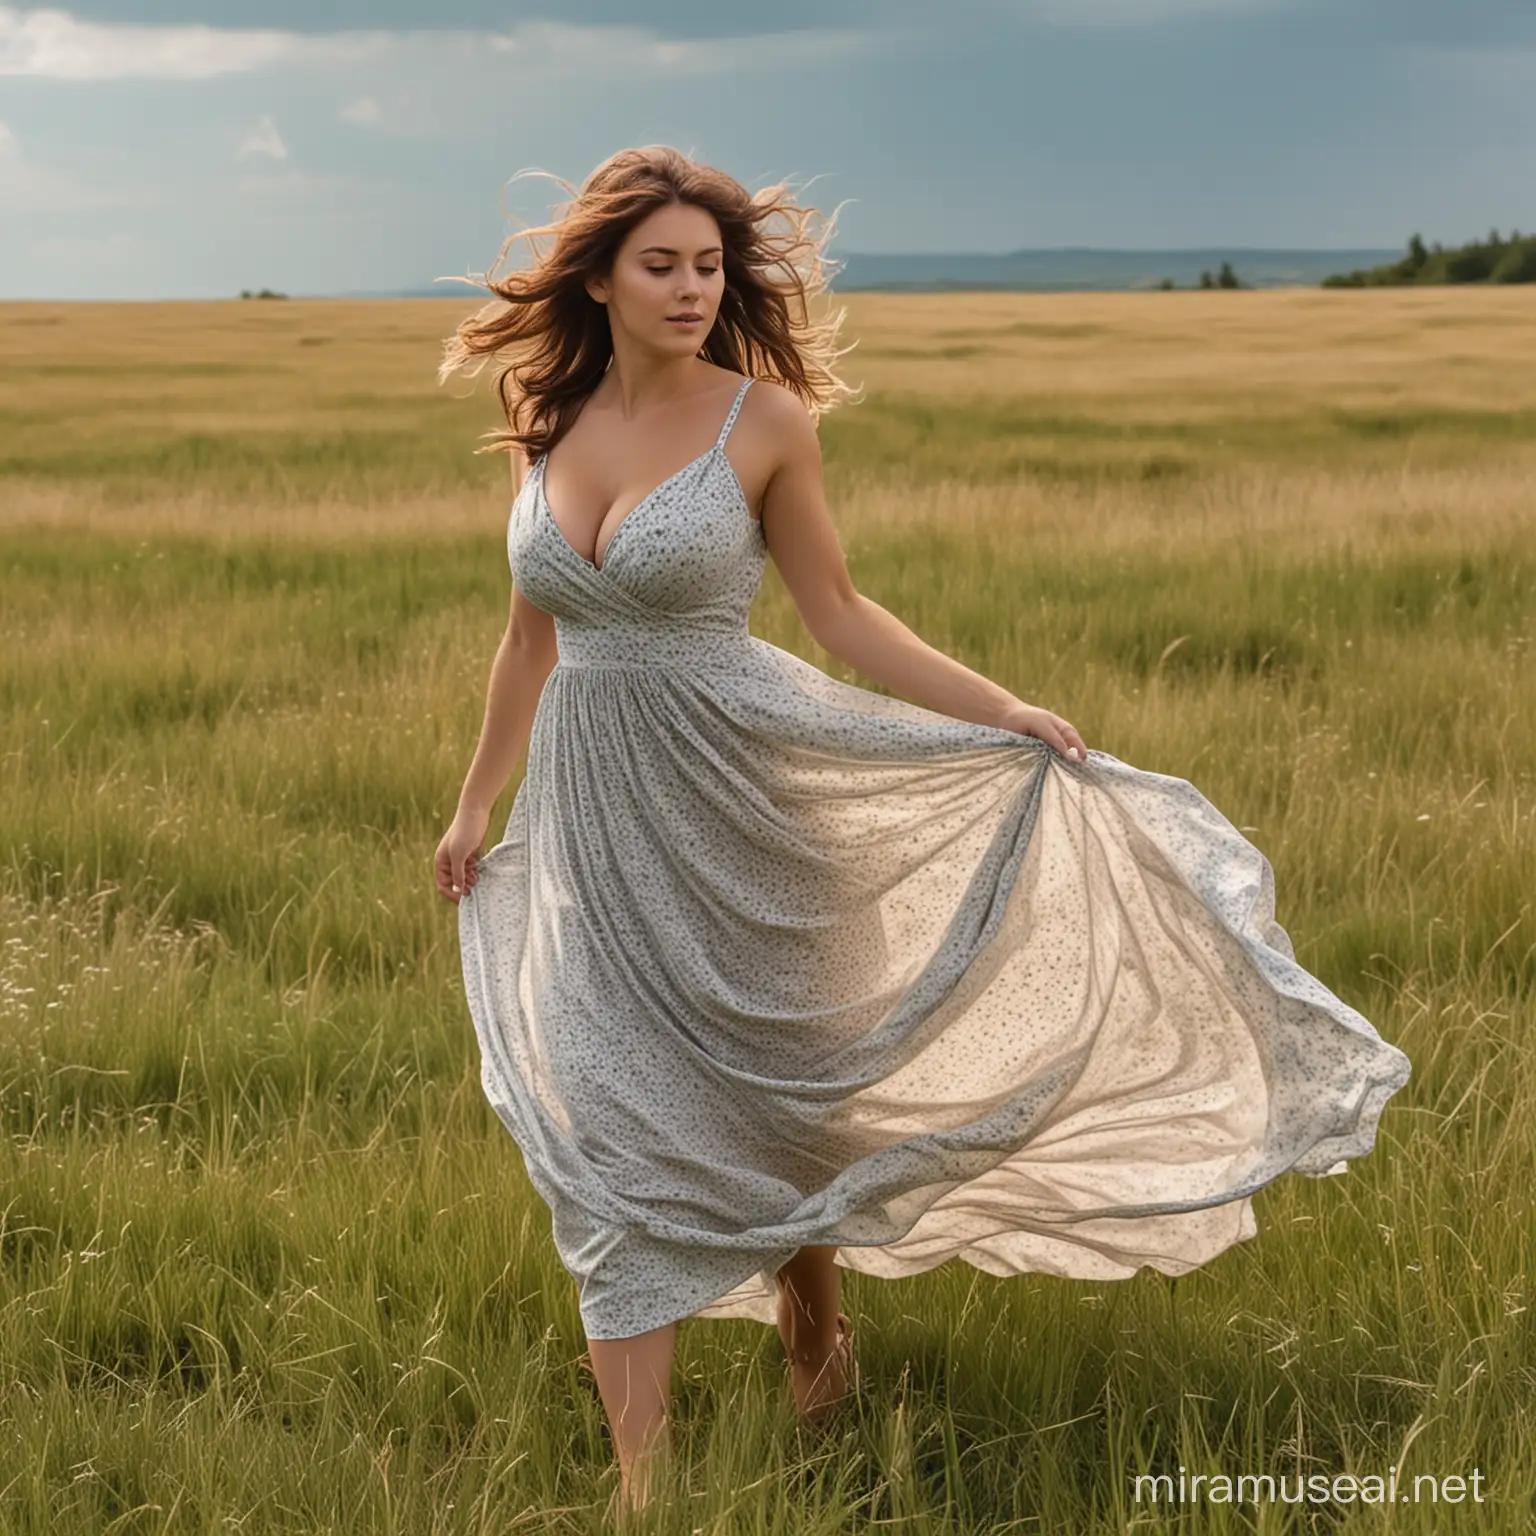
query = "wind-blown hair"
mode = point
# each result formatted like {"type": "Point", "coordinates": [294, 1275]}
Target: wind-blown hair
{"type": "Point", "coordinates": [551, 339]}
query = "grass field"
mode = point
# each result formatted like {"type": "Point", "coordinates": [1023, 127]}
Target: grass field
{"type": "Point", "coordinates": [269, 1263]}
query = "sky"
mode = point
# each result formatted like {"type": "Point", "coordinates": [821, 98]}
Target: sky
{"type": "Point", "coordinates": [192, 148]}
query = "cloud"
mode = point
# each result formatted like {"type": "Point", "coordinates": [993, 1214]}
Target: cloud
{"type": "Point", "coordinates": [263, 139]}
{"type": "Point", "coordinates": [55, 45]}
{"type": "Point", "coordinates": [365, 111]}
{"type": "Point", "coordinates": [629, 48]}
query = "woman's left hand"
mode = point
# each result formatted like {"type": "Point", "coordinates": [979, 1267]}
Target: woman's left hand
{"type": "Point", "coordinates": [1031, 720]}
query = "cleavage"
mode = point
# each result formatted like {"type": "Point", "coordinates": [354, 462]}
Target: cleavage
{"type": "Point", "coordinates": [599, 559]}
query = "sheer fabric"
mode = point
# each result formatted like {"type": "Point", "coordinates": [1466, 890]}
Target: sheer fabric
{"type": "Point", "coordinates": [764, 959]}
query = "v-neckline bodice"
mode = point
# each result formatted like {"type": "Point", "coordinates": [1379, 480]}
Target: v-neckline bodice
{"type": "Point", "coordinates": [651, 495]}
{"type": "Point", "coordinates": [717, 447]}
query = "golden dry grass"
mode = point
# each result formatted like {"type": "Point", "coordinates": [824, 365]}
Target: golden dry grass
{"type": "Point", "coordinates": [268, 1261]}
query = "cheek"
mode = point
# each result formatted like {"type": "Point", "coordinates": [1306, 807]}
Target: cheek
{"type": "Point", "coordinates": [639, 293]}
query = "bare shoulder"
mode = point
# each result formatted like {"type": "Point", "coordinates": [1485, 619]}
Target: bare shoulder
{"type": "Point", "coordinates": [782, 423]}
{"type": "Point", "coordinates": [775, 435]}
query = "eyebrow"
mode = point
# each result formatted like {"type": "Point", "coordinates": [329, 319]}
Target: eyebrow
{"type": "Point", "coordinates": [666, 250]}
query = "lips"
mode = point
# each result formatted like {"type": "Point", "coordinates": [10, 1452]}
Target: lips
{"type": "Point", "coordinates": [684, 319]}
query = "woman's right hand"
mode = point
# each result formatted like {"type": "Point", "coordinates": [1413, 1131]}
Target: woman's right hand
{"type": "Point", "coordinates": [454, 866]}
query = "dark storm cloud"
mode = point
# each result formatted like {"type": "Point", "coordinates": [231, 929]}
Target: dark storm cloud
{"type": "Point", "coordinates": [675, 18]}
{"type": "Point", "coordinates": [1443, 22]}
{"type": "Point", "coordinates": [209, 145]}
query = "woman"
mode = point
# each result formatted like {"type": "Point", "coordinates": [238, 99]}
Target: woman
{"type": "Point", "coordinates": [773, 975]}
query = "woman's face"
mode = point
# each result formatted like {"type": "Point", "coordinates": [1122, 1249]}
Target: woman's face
{"type": "Point", "coordinates": [669, 266]}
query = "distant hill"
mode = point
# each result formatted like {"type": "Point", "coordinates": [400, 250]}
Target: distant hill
{"type": "Point", "coordinates": [1084, 269]}
{"type": "Point", "coordinates": [1064, 270]}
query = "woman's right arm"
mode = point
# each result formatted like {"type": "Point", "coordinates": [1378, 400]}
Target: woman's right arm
{"type": "Point", "coordinates": [524, 658]}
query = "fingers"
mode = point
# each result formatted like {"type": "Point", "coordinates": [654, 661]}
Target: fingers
{"type": "Point", "coordinates": [455, 875]}
{"type": "Point", "coordinates": [1067, 741]}
{"type": "Point", "coordinates": [1057, 733]}
{"type": "Point", "coordinates": [1073, 740]}
{"type": "Point", "coordinates": [1048, 730]}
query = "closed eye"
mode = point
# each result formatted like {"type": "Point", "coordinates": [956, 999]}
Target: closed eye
{"type": "Point", "coordinates": [707, 271]}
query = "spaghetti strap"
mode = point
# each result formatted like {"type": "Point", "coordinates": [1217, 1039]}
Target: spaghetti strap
{"type": "Point", "coordinates": [730, 420]}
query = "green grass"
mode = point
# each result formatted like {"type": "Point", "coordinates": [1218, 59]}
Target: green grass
{"type": "Point", "coordinates": [269, 1263]}
{"type": "Point", "coordinates": [370, 450]}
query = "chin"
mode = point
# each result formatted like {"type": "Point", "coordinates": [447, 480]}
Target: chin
{"type": "Point", "coordinates": [683, 343]}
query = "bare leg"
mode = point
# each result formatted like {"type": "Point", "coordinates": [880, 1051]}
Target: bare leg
{"type": "Point", "coordinates": [810, 1289]}
{"type": "Point", "coordinates": [634, 1379]}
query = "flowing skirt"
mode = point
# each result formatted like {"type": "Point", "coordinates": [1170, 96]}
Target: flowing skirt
{"type": "Point", "coordinates": [765, 960]}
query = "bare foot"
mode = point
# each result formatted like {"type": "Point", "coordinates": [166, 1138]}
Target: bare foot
{"type": "Point", "coordinates": [634, 1494]}
{"type": "Point", "coordinates": [822, 1387]}
{"type": "Point", "coordinates": [641, 1484]}
{"type": "Point", "coordinates": [621, 1508]}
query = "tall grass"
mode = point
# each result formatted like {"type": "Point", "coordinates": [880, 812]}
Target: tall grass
{"type": "Point", "coordinates": [267, 1260]}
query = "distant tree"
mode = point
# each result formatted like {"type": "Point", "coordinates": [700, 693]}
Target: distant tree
{"type": "Point", "coordinates": [1517, 262]}
{"type": "Point", "coordinates": [1494, 260]}
{"type": "Point", "coordinates": [266, 293]}
{"type": "Point", "coordinates": [1206, 280]}
{"type": "Point", "coordinates": [1166, 284]}
{"type": "Point", "coordinates": [1471, 264]}
{"type": "Point", "coordinates": [1228, 278]}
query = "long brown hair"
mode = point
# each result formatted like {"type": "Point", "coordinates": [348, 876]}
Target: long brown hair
{"type": "Point", "coordinates": [551, 338]}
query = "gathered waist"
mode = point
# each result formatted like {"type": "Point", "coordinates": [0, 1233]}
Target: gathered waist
{"type": "Point", "coordinates": [642, 645]}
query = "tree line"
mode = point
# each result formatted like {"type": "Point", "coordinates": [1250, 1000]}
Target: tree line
{"type": "Point", "coordinates": [1498, 259]}
{"type": "Point", "coordinates": [1494, 260]}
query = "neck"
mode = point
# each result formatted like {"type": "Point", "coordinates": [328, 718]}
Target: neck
{"type": "Point", "coordinates": [637, 382]}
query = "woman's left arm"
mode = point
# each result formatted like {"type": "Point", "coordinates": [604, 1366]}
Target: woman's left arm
{"type": "Point", "coordinates": [856, 629]}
